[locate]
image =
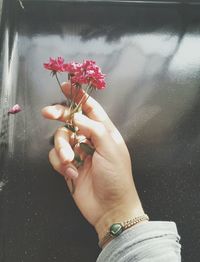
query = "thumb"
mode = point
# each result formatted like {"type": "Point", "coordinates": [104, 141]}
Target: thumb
{"type": "Point", "coordinates": [94, 130]}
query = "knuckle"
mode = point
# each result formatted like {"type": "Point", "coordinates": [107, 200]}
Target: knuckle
{"type": "Point", "coordinates": [60, 136]}
{"type": "Point", "coordinates": [100, 129]}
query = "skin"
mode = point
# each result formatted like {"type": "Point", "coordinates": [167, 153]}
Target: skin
{"type": "Point", "coordinates": [105, 191]}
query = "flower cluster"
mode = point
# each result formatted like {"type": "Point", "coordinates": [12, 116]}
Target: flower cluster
{"type": "Point", "coordinates": [87, 73]}
{"type": "Point", "coordinates": [86, 76]}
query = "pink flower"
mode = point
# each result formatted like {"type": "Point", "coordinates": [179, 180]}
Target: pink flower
{"type": "Point", "coordinates": [15, 109]}
{"type": "Point", "coordinates": [98, 83]}
{"type": "Point", "coordinates": [73, 68]}
{"type": "Point", "coordinates": [86, 73]}
{"type": "Point", "coordinates": [55, 65]}
{"type": "Point", "coordinates": [79, 79]}
{"type": "Point", "coordinates": [94, 75]}
{"type": "Point", "coordinates": [81, 73]}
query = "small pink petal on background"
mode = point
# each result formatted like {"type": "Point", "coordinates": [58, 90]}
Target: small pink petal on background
{"type": "Point", "coordinates": [15, 109]}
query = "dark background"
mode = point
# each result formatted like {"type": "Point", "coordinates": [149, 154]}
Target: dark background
{"type": "Point", "coordinates": [151, 55]}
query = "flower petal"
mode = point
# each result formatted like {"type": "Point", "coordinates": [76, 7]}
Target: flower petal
{"type": "Point", "coordinates": [15, 109]}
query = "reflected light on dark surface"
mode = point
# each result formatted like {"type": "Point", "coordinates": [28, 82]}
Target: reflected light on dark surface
{"type": "Point", "coordinates": [8, 91]}
{"type": "Point", "coordinates": [150, 56]}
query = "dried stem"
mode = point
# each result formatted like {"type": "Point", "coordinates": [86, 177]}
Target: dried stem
{"type": "Point", "coordinates": [89, 87]}
{"type": "Point", "coordinates": [21, 4]}
{"type": "Point", "coordinates": [58, 82]}
{"type": "Point", "coordinates": [60, 85]}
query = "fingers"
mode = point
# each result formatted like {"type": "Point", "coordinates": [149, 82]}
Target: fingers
{"type": "Point", "coordinates": [91, 108]}
{"type": "Point", "coordinates": [62, 145]}
{"type": "Point", "coordinates": [56, 112]}
{"type": "Point", "coordinates": [55, 161]}
{"type": "Point", "coordinates": [68, 171]}
{"type": "Point", "coordinates": [93, 130]}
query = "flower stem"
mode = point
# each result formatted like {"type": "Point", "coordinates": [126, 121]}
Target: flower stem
{"type": "Point", "coordinates": [71, 99]}
{"type": "Point", "coordinates": [89, 93]}
{"type": "Point", "coordinates": [58, 81]}
{"type": "Point", "coordinates": [60, 86]}
{"type": "Point", "coordinates": [83, 97]}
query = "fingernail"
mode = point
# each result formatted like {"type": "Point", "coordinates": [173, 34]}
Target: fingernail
{"type": "Point", "coordinates": [71, 173]}
{"type": "Point", "coordinates": [64, 154]}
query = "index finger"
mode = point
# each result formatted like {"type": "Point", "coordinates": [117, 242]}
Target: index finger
{"type": "Point", "coordinates": [90, 107]}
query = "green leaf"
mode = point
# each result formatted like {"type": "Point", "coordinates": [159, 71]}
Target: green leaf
{"type": "Point", "coordinates": [77, 158]}
{"type": "Point", "coordinates": [79, 161]}
{"type": "Point", "coordinates": [87, 148]}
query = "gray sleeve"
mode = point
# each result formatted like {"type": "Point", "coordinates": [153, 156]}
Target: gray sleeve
{"type": "Point", "coordinates": [148, 242]}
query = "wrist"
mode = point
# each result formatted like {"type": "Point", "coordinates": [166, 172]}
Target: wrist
{"type": "Point", "coordinates": [116, 215]}
{"type": "Point", "coordinates": [117, 228]}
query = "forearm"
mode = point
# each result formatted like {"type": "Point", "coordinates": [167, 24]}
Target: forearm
{"type": "Point", "coordinates": [152, 241]}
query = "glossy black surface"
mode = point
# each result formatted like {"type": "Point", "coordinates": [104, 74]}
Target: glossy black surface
{"type": "Point", "coordinates": [151, 56]}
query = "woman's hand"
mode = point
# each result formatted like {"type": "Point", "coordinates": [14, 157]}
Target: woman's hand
{"type": "Point", "coordinates": [104, 189]}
